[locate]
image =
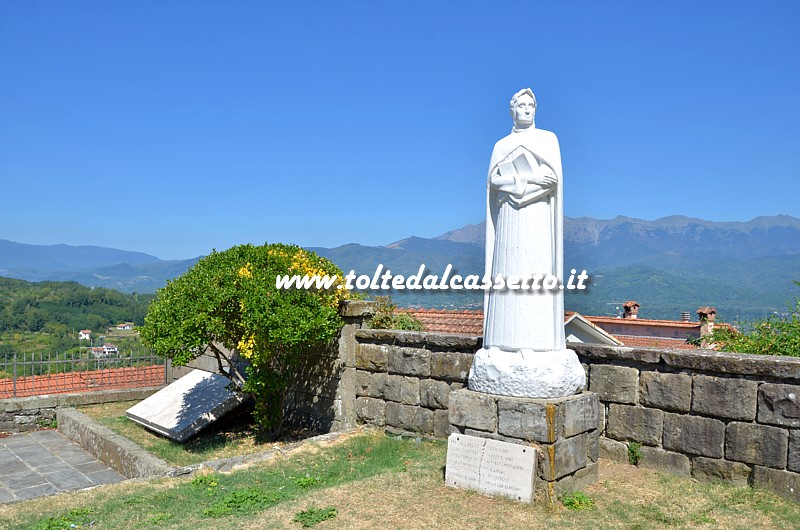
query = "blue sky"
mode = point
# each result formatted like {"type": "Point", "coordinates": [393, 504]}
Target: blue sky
{"type": "Point", "coordinates": [177, 127]}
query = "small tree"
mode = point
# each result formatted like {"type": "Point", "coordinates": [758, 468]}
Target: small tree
{"type": "Point", "coordinates": [229, 301]}
{"type": "Point", "coordinates": [770, 336]}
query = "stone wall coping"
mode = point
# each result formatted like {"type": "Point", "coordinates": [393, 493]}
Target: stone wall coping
{"type": "Point", "coordinates": [357, 308]}
{"type": "Point", "coordinates": [75, 399]}
{"type": "Point", "coordinates": [702, 360]}
{"type": "Point", "coordinates": [114, 450]}
{"type": "Point", "coordinates": [720, 362]}
{"type": "Point", "coordinates": [421, 339]}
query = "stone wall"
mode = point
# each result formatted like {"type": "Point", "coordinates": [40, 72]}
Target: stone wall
{"type": "Point", "coordinates": [709, 415]}
{"type": "Point", "coordinates": [403, 379]}
{"type": "Point", "coordinates": [322, 395]}
{"type": "Point", "coordinates": [31, 413]}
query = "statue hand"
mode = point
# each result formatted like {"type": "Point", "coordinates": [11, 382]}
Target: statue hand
{"type": "Point", "coordinates": [545, 180]}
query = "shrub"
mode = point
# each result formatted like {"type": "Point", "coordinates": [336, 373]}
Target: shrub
{"type": "Point", "coordinates": [387, 317]}
{"type": "Point", "coordinates": [229, 301]}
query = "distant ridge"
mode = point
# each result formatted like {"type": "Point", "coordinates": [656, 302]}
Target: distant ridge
{"type": "Point", "coordinates": [669, 265]}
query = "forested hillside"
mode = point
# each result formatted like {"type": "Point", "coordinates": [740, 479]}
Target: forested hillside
{"type": "Point", "coordinates": [59, 306]}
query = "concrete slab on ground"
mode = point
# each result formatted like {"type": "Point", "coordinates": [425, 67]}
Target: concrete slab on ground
{"type": "Point", "coordinates": [178, 411]}
{"type": "Point", "coordinates": [46, 462]}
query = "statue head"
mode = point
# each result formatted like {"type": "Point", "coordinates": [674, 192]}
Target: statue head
{"type": "Point", "coordinates": [523, 109]}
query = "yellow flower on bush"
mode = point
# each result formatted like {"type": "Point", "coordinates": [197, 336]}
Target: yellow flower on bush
{"type": "Point", "coordinates": [247, 346]}
{"type": "Point", "coordinates": [246, 271]}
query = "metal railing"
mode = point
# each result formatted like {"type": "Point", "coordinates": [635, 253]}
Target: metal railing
{"type": "Point", "coordinates": [43, 373]}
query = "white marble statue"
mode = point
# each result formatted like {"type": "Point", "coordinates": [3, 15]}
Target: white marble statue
{"type": "Point", "coordinates": [524, 352]}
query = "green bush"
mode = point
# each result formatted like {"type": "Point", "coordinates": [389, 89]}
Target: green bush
{"type": "Point", "coordinates": [387, 317]}
{"type": "Point", "coordinates": [770, 336]}
{"type": "Point", "coordinates": [229, 301]}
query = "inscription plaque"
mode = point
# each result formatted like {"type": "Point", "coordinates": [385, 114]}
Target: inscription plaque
{"type": "Point", "coordinates": [491, 467]}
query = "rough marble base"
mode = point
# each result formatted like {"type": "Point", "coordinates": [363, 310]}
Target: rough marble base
{"type": "Point", "coordinates": [526, 373]}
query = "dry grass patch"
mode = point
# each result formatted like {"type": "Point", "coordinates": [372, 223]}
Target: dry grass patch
{"type": "Point", "coordinates": [234, 434]}
{"type": "Point", "coordinates": [377, 481]}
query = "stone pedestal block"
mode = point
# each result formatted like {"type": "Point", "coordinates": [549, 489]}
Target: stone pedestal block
{"type": "Point", "coordinates": [565, 431]}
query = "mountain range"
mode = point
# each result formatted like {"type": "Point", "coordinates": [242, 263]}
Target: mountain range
{"type": "Point", "coordinates": [670, 265]}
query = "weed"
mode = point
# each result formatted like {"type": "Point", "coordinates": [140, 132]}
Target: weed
{"type": "Point", "coordinates": [634, 453]}
{"type": "Point", "coordinates": [47, 424]}
{"type": "Point", "coordinates": [307, 481]}
{"type": "Point", "coordinates": [577, 500]}
{"type": "Point", "coordinates": [76, 518]}
{"type": "Point", "coordinates": [247, 500]}
{"type": "Point", "coordinates": [312, 516]}
{"type": "Point", "coordinates": [209, 482]}
{"type": "Point", "coordinates": [158, 518]}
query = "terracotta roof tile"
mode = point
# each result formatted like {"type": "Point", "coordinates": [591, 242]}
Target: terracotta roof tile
{"type": "Point", "coordinates": [466, 322]}
{"type": "Point", "coordinates": [656, 342]}
{"type": "Point", "coordinates": [470, 322]}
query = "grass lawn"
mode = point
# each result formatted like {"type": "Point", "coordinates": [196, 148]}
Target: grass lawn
{"type": "Point", "coordinates": [371, 480]}
{"type": "Point", "coordinates": [234, 434]}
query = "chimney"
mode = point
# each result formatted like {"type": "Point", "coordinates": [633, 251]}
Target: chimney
{"type": "Point", "coordinates": [685, 316]}
{"type": "Point", "coordinates": [707, 315]}
{"type": "Point", "coordinates": [630, 309]}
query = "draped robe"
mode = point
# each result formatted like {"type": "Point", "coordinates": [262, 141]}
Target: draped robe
{"type": "Point", "coordinates": [524, 237]}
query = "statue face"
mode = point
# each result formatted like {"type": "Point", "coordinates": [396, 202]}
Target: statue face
{"type": "Point", "coordinates": [523, 112]}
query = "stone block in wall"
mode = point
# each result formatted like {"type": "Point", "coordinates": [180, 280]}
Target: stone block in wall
{"type": "Point", "coordinates": [715, 469]}
{"type": "Point", "coordinates": [371, 411]}
{"type": "Point", "coordinates": [577, 414]}
{"type": "Point", "coordinates": [793, 463]}
{"type": "Point", "coordinates": [372, 357]}
{"type": "Point", "coordinates": [693, 435]}
{"type": "Point", "coordinates": [619, 384]}
{"type": "Point", "coordinates": [779, 404]}
{"type": "Point", "coordinates": [409, 391]}
{"type": "Point", "coordinates": [563, 457]}
{"type": "Point", "coordinates": [613, 450]}
{"type": "Point", "coordinates": [665, 391]}
{"type": "Point", "coordinates": [441, 423]}
{"type": "Point", "coordinates": [636, 424]}
{"type": "Point", "coordinates": [579, 480]}
{"type": "Point", "coordinates": [409, 418]}
{"type": "Point", "coordinates": [756, 444]}
{"type": "Point", "coordinates": [525, 419]}
{"type": "Point", "coordinates": [474, 410]}
{"type": "Point", "coordinates": [370, 384]}
{"type": "Point", "coordinates": [547, 420]}
{"type": "Point", "coordinates": [434, 394]}
{"type": "Point", "coordinates": [392, 389]}
{"type": "Point", "coordinates": [409, 361]}
{"type": "Point", "coordinates": [593, 446]}
{"type": "Point", "coordinates": [452, 366]}
{"type": "Point", "coordinates": [657, 458]}
{"type": "Point", "coordinates": [724, 397]}
{"type": "Point", "coordinates": [784, 483]}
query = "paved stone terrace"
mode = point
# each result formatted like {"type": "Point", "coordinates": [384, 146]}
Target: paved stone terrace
{"type": "Point", "coordinates": [46, 462]}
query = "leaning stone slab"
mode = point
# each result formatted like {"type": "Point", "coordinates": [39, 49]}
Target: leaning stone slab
{"type": "Point", "coordinates": [182, 409]}
{"type": "Point", "coordinates": [490, 467]}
